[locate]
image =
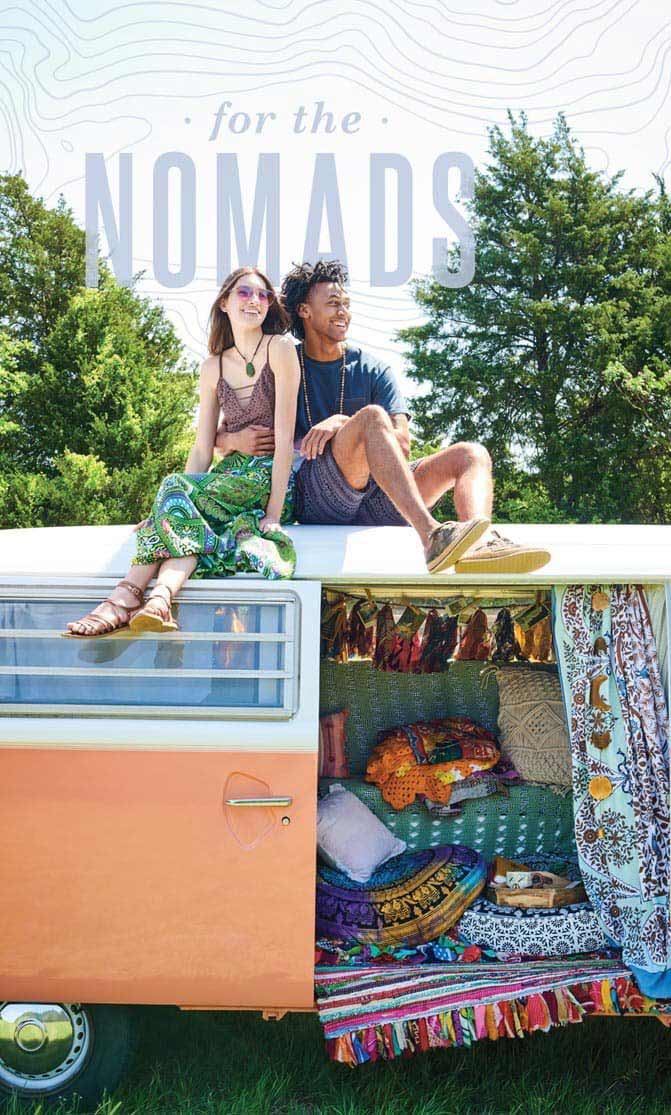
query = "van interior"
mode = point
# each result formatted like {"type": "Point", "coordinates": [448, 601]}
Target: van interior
{"type": "Point", "coordinates": [463, 665]}
{"type": "Point", "coordinates": [521, 817]}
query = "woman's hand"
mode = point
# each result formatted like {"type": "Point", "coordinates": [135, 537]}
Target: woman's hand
{"type": "Point", "coordinates": [142, 523]}
{"type": "Point", "coordinates": [269, 522]}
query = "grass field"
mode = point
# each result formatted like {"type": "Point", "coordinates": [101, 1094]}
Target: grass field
{"type": "Point", "coordinates": [236, 1064]}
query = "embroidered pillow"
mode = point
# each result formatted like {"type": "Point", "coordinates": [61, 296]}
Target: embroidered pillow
{"type": "Point", "coordinates": [350, 837]}
{"type": "Point", "coordinates": [532, 724]}
{"type": "Point", "coordinates": [332, 752]}
{"type": "Point", "coordinates": [428, 756]}
{"type": "Point", "coordinates": [410, 900]}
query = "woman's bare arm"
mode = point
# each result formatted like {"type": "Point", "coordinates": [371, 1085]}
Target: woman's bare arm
{"type": "Point", "coordinates": [200, 457]}
{"type": "Point", "coordinates": [287, 378]}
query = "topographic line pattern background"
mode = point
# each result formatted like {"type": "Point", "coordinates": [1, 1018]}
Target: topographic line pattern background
{"type": "Point", "coordinates": [426, 76]}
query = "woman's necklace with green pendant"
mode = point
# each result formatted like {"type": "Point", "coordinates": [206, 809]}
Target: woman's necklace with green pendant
{"type": "Point", "coordinates": [249, 364]}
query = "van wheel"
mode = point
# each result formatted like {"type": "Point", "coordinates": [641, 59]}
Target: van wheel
{"type": "Point", "coordinates": [52, 1051]}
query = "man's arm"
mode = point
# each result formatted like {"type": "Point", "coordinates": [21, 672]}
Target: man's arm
{"type": "Point", "coordinates": [385, 393]}
{"type": "Point", "coordinates": [315, 441]}
{"type": "Point", "coordinates": [317, 438]}
{"type": "Point", "coordinates": [255, 441]}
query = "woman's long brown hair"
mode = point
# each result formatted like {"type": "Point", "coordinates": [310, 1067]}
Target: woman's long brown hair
{"type": "Point", "coordinates": [220, 332]}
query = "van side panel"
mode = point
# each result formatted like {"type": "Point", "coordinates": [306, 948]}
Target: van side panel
{"type": "Point", "coordinates": [134, 882]}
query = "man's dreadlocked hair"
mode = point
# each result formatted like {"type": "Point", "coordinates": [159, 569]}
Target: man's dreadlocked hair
{"type": "Point", "coordinates": [298, 283]}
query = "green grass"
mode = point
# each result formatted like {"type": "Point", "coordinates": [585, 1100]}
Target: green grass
{"type": "Point", "coordinates": [236, 1064]}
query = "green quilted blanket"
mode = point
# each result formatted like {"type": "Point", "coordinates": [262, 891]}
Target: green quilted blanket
{"type": "Point", "coordinates": [529, 818]}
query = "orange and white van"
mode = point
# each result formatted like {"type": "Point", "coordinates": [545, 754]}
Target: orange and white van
{"type": "Point", "coordinates": [159, 791]}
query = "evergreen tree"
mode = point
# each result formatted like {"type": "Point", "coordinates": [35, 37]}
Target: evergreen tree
{"type": "Point", "coordinates": [97, 400]}
{"type": "Point", "coordinates": [42, 260]}
{"type": "Point", "coordinates": [557, 356]}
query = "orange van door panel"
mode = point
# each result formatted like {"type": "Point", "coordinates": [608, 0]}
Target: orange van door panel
{"type": "Point", "coordinates": [133, 881]}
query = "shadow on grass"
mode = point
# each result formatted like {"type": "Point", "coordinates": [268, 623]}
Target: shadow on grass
{"type": "Point", "coordinates": [222, 1063]}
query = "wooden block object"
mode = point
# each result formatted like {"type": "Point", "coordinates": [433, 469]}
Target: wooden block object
{"type": "Point", "coordinates": [544, 897]}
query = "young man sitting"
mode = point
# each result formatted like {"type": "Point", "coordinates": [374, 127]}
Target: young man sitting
{"type": "Point", "coordinates": [352, 431]}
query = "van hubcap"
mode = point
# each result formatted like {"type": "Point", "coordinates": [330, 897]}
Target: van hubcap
{"type": "Point", "coordinates": [42, 1045]}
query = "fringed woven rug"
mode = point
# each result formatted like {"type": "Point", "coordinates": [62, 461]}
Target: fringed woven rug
{"type": "Point", "coordinates": [374, 1013]}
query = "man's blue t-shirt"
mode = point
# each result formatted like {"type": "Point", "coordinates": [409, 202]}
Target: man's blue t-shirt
{"type": "Point", "coordinates": [366, 381]}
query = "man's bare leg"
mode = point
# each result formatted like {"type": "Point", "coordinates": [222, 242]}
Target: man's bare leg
{"type": "Point", "coordinates": [465, 467]}
{"type": "Point", "coordinates": [367, 446]}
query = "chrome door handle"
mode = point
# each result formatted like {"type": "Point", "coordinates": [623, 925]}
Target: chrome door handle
{"type": "Point", "coordinates": [258, 801]}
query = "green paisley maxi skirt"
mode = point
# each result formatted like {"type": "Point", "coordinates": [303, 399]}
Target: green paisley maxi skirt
{"type": "Point", "coordinates": [216, 515]}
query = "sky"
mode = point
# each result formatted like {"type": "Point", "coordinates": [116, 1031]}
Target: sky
{"type": "Point", "coordinates": [413, 80]}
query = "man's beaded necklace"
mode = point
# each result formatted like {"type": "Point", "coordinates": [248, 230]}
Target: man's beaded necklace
{"type": "Point", "coordinates": [308, 409]}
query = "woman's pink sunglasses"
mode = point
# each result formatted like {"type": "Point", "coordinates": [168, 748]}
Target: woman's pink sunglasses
{"type": "Point", "coordinates": [244, 293]}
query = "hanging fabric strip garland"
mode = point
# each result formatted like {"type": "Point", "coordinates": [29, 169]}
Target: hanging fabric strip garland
{"type": "Point", "coordinates": [618, 727]}
{"type": "Point", "coordinates": [405, 637]}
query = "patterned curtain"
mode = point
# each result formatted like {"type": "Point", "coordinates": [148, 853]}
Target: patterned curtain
{"type": "Point", "coordinates": [658, 598]}
{"type": "Point", "coordinates": [618, 726]}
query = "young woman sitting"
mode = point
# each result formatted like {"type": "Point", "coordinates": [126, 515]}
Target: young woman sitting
{"type": "Point", "coordinates": [216, 520]}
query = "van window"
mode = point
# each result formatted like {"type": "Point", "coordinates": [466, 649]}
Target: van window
{"type": "Point", "coordinates": [233, 655]}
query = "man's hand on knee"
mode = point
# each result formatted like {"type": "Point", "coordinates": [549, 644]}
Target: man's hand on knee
{"type": "Point", "coordinates": [315, 441]}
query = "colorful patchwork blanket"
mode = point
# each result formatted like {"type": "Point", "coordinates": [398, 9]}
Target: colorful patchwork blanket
{"type": "Point", "coordinates": [428, 756]}
{"type": "Point", "coordinates": [377, 1013]}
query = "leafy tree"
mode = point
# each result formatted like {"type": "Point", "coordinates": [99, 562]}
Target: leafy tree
{"type": "Point", "coordinates": [42, 260]}
{"type": "Point", "coordinates": [557, 355]}
{"type": "Point", "coordinates": [97, 401]}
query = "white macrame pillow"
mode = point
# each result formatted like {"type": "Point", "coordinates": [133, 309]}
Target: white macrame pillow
{"type": "Point", "coordinates": [532, 725]}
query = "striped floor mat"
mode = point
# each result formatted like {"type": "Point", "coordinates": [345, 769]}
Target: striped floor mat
{"type": "Point", "coordinates": [384, 1012]}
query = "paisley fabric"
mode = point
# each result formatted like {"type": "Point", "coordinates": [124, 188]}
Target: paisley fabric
{"type": "Point", "coordinates": [619, 741]}
{"type": "Point", "coordinates": [410, 900]}
{"type": "Point", "coordinates": [216, 516]}
{"type": "Point", "coordinates": [427, 757]}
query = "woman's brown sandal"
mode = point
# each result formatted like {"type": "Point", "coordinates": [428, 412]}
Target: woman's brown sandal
{"type": "Point", "coordinates": [154, 619]}
{"type": "Point", "coordinates": [103, 626]}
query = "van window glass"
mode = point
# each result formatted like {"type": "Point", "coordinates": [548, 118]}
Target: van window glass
{"type": "Point", "coordinates": [226, 656]}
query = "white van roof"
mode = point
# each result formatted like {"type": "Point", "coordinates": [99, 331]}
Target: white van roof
{"type": "Point", "coordinates": [356, 555]}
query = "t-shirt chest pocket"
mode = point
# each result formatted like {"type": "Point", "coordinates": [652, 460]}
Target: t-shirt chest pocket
{"type": "Point", "coordinates": [353, 403]}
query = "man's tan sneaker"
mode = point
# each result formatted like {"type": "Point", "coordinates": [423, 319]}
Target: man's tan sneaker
{"type": "Point", "coordinates": [450, 540]}
{"type": "Point", "coordinates": [500, 555]}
